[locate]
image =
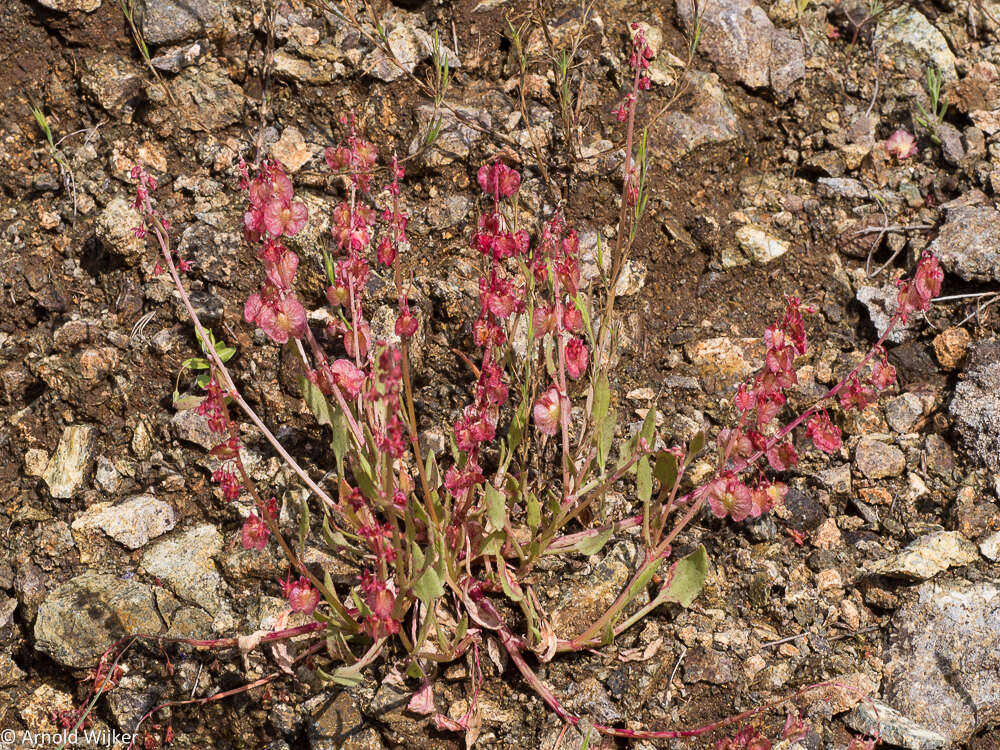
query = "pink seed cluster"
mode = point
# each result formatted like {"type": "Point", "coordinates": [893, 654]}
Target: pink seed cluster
{"type": "Point", "coordinates": [639, 60]}
{"type": "Point", "coordinates": [760, 400]}
{"type": "Point", "coordinates": [500, 297]}
{"type": "Point", "coordinates": [274, 213]}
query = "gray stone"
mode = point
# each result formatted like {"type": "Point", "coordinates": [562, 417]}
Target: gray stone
{"type": "Point", "coordinates": [941, 665]}
{"type": "Point", "coordinates": [590, 698]}
{"type": "Point", "coordinates": [320, 64]}
{"type": "Point", "coordinates": [132, 523]}
{"type": "Point", "coordinates": [743, 44]}
{"type": "Point", "coordinates": [903, 412]}
{"type": "Point", "coordinates": [881, 304]}
{"type": "Point", "coordinates": [69, 467]}
{"type": "Point", "coordinates": [114, 83]}
{"type": "Point", "coordinates": [184, 562]}
{"type": "Point", "coordinates": [170, 21]}
{"type": "Point", "coordinates": [80, 619]}
{"type": "Point", "coordinates": [940, 457]}
{"type": "Point", "coordinates": [929, 555]}
{"type": "Point", "coordinates": [837, 479]}
{"type": "Point", "coordinates": [114, 229]}
{"type": "Point", "coordinates": [843, 187]}
{"type": "Point", "coordinates": [878, 460]}
{"type": "Point", "coordinates": [339, 725]}
{"type": "Point", "coordinates": [951, 143]}
{"type": "Point", "coordinates": [67, 6]}
{"type": "Point", "coordinates": [703, 117]}
{"type": "Point", "coordinates": [408, 45]}
{"type": "Point", "coordinates": [968, 243]}
{"type": "Point", "coordinates": [990, 547]}
{"type": "Point", "coordinates": [709, 665]}
{"type": "Point", "coordinates": [10, 673]}
{"type": "Point", "coordinates": [130, 702]}
{"type": "Point", "coordinates": [759, 246]}
{"type": "Point", "coordinates": [206, 97]}
{"type": "Point", "coordinates": [876, 718]}
{"type": "Point", "coordinates": [455, 138]}
{"type": "Point", "coordinates": [192, 427]}
{"type": "Point", "coordinates": [176, 59]}
{"type": "Point", "coordinates": [912, 42]}
{"type": "Point", "coordinates": [975, 408]}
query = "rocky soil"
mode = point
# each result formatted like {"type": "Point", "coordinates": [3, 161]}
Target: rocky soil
{"type": "Point", "coordinates": [770, 178]}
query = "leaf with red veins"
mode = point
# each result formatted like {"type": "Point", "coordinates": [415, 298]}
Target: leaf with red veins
{"type": "Point", "coordinates": [254, 533]}
{"type": "Point", "coordinates": [824, 434]}
{"type": "Point", "coordinates": [576, 358]}
{"type": "Point", "coordinates": [347, 377]}
{"type": "Point", "coordinates": [422, 700]}
{"type": "Point", "coordinates": [283, 318]}
{"type": "Point", "coordinates": [729, 497]}
{"type": "Point", "coordinates": [281, 217]}
{"type": "Point", "coordinates": [547, 411]}
{"type": "Point", "coordinates": [782, 456]}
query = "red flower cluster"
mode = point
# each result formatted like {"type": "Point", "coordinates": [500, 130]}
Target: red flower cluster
{"type": "Point", "coordinates": [380, 600]}
{"type": "Point", "coordinates": [301, 596]}
{"type": "Point", "coordinates": [556, 264]}
{"type": "Point", "coordinates": [355, 159]}
{"type": "Point", "coordinates": [499, 298]}
{"type": "Point", "coordinates": [493, 240]}
{"type": "Point", "coordinates": [639, 61]}
{"type": "Point", "coordinates": [273, 213]}
{"type": "Point", "coordinates": [760, 401]}
{"type": "Point", "coordinates": [916, 294]}
{"type": "Point", "coordinates": [255, 531]}
{"type": "Point", "coordinates": [213, 406]}
{"type": "Point", "coordinates": [759, 404]}
{"type": "Point", "coordinates": [146, 184]}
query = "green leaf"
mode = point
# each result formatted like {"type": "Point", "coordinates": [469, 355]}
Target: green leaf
{"type": "Point", "coordinates": [202, 380]}
{"type": "Point", "coordinates": [665, 470]}
{"type": "Point", "coordinates": [644, 480]}
{"type": "Point", "coordinates": [183, 403]}
{"type": "Point", "coordinates": [432, 471]}
{"type": "Point", "coordinates": [428, 587]}
{"type": "Point", "coordinates": [303, 525]}
{"type": "Point", "coordinates": [533, 511]}
{"type": "Point", "coordinates": [225, 352]}
{"type": "Point", "coordinates": [605, 434]}
{"type": "Point", "coordinates": [364, 478]}
{"type": "Point", "coordinates": [578, 301]}
{"type": "Point", "coordinates": [510, 587]}
{"type": "Point", "coordinates": [648, 426]}
{"type": "Point", "coordinates": [695, 447]}
{"type": "Point", "coordinates": [496, 507]}
{"type": "Point", "coordinates": [346, 676]}
{"type": "Point", "coordinates": [602, 397]}
{"type": "Point", "coordinates": [687, 576]}
{"type": "Point", "coordinates": [195, 363]}
{"type": "Point", "coordinates": [516, 432]}
{"type": "Point", "coordinates": [591, 545]}
{"type": "Point", "coordinates": [492, 544]}
{"type": "Point", "coordinates": [315, 400]}
{"type": "Point", "coordinates": [339, 440]}
{"type": "Point", "coordinates": [550, 363]}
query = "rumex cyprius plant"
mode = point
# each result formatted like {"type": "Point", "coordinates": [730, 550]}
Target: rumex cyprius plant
{"type": "Point", "coordinates": [441, 539]}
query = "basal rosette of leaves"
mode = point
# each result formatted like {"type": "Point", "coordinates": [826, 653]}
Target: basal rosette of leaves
{"type": "Point", "coordinates": [441, 539]}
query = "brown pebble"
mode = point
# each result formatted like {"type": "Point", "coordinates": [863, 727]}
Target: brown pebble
{"type": "Point", "coordinates": [950, 346]}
